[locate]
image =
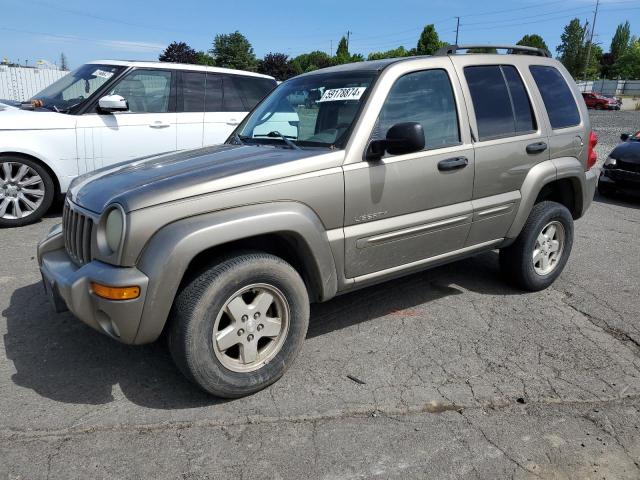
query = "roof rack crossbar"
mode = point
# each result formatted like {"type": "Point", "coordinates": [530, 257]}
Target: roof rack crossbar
{"type": "Point", "coordinates": [453, 49]}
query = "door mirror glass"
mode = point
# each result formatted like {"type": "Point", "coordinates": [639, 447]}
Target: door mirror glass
{"type": "Point", "coordinates": [402, 138]}
{"type": "Point", "coordinates": [113, 103]}
{"type": "Point", "coordinates": [624, 137]}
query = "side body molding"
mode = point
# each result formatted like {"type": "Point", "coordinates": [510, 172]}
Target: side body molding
{"type": "Point", "coordinates": [170, 251]}
{"type": "Point", "coordinates": [548, 171]}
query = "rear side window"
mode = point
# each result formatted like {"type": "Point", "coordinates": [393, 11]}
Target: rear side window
{"type": "Point", "coordinates": [425, 97]}
{"type": "Point", "coordinates": [231, 101]}
{"type": "Point", "coordinates": [500, 101]}
{"type": "Point", "coordinates": [213, 93]}
{"type": "Point", "coordinates": [193, 86]}
{"type": "Point", "coordinates": [252, 89]}
{"type": "Point", "coordinates": [557, 97]}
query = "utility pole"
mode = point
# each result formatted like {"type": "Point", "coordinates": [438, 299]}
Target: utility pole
{"type": "Point", "coordinates": [348, 35]}
{"type": "Point", "coordinates": [457, 29]}
{"type": "Point", "coordinates": [593, 29]}
{"type": "Point", "coordinates": [331, 49]}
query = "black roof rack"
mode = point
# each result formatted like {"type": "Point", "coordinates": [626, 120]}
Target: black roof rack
{"type": "Point", "coordinates": [453, 49]}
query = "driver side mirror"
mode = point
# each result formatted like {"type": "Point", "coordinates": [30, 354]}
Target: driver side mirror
{"type": "Point", "coordinates": [624, 137]}
{"type": "Point", "coordinates": [402, 138]}
{"type": "Point", "coordinates": [113, 103]}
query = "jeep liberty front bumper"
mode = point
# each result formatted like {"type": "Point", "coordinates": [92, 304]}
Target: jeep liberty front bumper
{"type": "Point", "coordinates": [69, 287]}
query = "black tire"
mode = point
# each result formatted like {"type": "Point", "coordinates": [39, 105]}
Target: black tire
{"type": "Point", "coordinates": [516, 261]}
{"type": "Point", "coordinates": [196, 309]}
{"type": "Point", "coordinates": [47, 185]}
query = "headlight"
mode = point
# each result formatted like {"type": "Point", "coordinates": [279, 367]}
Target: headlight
{"type": "Point", "coordinates": [114, 227]}
{"type": "Point", "coordinates": [610, 162]}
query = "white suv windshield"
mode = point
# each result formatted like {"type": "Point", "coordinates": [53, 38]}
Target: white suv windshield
{"type": "Point", "coordinates": [313, 110]}
{"type": "Point", "coordinates": [76, 87]}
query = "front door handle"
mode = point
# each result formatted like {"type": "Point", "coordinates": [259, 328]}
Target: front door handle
{"type": "Point", "coordinates": [159, 124]}
{"type": "Point", "coordinates": [452, 164]}
{"type": "Point", "coordinates": [233, 121]}
{"type": "Point", "coordinates": [537, 147]}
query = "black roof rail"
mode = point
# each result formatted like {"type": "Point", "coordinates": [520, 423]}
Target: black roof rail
{"type": "Point", "coordinates": [453, 49]}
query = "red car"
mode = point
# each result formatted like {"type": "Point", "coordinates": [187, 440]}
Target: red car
{"type": "Point", "coordinates": [600, 102]}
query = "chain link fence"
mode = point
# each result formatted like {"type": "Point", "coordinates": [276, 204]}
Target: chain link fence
{"type": "Point", "coordinates": [21, 83]}
{"type": "Point", "coordinates": [611, 87]}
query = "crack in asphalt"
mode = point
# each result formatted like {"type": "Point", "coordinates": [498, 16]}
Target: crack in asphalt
{"type": "Point", "coordinates": [364, 412]}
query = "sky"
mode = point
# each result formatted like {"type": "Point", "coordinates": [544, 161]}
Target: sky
{"type": "Point", "coordinates": [32, 30]}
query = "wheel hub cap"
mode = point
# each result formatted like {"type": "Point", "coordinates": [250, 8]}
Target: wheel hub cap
{"type": "Point", "coordinates": [21, 192]}
{"type": "Point", "coordinates": [548, 248]}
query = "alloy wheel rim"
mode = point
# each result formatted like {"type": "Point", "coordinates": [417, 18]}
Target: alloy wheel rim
{"type": "Point", "coordinates": [251, 327]}
{"type": "Point", "coordinates": [548, 248]}
{"type": "Point", "coordinates": [21, 190]}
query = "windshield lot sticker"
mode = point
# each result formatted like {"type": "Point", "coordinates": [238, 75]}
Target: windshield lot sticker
{"type": "Point", "coordinates": [339, 94]}
{"type": "Point", "coordinates": [102, 74]}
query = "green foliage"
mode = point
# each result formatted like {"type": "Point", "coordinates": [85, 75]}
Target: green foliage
{"type": "Point", "coordinates": [571, 50]}
{"type": "Point", "coordinates": [628, 65]}
{"type": "Point", "coordinates": [178, 52]}
{"type": "Point", "coordinates": [277, 65]}
{"type": "Point", "coordinates": [594, 67]}
{"type": "Point", "coordinates": [533, 40]}
{"type": "Point", "coordinates": [394, 53]}
{"type": "Point", "coordinates": [429, 41]}
{"type": "Point", "coordinates": [233, 50]}
{"type": "Point", "coordinates": [203, 58]}
{"type": "Point", "coordinates": [621, 41]}
{"type": "Point", "coordinates": [308, 62]}
{"type": "Point", "coordinates": [482, 50]}
{"type": "Point", "coordinates": [342, 53]}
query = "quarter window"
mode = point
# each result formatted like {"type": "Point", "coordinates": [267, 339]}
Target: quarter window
{"type": "Point", "coordinates": [557, 97]}
{"type": "Point", "coordinates": [500, 101]}
{"type": "Point", "coordinates": [146, 91]}
{"type": "Point", "coordinates": [425, 97]}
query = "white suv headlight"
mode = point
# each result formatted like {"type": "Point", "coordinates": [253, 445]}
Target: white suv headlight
{"type": "Point", "coordinates": [114, 227]}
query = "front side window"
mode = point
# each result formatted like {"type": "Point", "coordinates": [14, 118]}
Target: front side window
{"type": "Point", "coordinates": [500, 101]}
{"type": "Point", "coordinates": [312, 110]}
{"type": "Point", "coordinates": [557, 97]}
{"type": "Point", "coordinates": [427, 98]}
{"type": "Point", "coordinates": [146, 91]}
{"type": "Point", "coordinates": [77, 86]}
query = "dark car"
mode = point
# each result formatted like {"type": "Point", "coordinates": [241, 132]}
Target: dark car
{"type": "Point", "coordinates": [600, 102]}
{"type": "Point", "coordinates": [621, 169]}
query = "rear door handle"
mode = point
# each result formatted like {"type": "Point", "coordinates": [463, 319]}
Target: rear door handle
{"type": "Point", "coordinates": [537, 147]}
{"type": "Point", "coordinates": [159, 124]}
{"type": "Point", "coordinates": [452, 164]}
{"type": "Point", "coordinates": [233, 121]}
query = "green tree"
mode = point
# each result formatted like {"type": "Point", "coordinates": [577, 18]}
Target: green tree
{"type": "Point", "coordinates": [628, 65]}
{"type": "Point", "coordinates": [277, 65]}
{"type": "Point", "coordinates": [594, 67]}
{"type": "Point", "coordinates": [233, 50]}
{"type": "Point", "coordinates": [203, 58]}
{"type": "Point", "coordinates": [394, 53]}
{"type": "Point", "coordinates": [533, 40]}
{"type": "Point", "coordinates": [621, 41]}
{"type": "Point", "coordinates": [572, 47]}
{"type": "Point", "coordinates": [342, 53]}
{"type": "Point", "coordinates": [482, 50]}
{"type": "Point", "coordinates": [307, 62]}
{"type": "Point", "coordinates": [429, 42]}
{"type": "Point", "coordinates": [178, 52]}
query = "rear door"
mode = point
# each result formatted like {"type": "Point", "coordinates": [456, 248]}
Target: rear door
{"type": "Point", "coordinates": [190, 109]}
{"type": "Point", "coordinates": [508, 140]}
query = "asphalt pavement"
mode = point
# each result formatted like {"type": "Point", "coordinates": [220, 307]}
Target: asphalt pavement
{"type": "Point", "coordinates": [464, 377]}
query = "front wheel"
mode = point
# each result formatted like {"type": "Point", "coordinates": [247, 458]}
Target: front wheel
{"type": "Point", "coordinates": [26, 191]}
{"type": "Point", "coordinates": [542, 249]}
{"type": "Point", "coordinates": [239, 325]}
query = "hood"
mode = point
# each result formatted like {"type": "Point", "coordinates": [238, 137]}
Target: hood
{"type": "Point", "coordinates": [12, 118]}
{"type": "Point", "coordinates": [163, 178]}
{"type": "Point", "coordinates": [627, 152]}
{"type": "Point", "coordinates": [8, 104]}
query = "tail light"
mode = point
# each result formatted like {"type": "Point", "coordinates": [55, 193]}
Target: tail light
{"type": "Point", "coordinates": [592, 156]}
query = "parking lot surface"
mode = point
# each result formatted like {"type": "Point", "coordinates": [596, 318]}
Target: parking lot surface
{"type": "Point", "coordinates": [464, 377]}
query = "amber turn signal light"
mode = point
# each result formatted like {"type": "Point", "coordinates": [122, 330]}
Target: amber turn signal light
{"type": "Point", "coordinates": [115, 293]}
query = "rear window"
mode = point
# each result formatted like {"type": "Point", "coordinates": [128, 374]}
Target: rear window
{"type": "Point", "coordinates": [500, 101]}
{"type": "Point", "coordinates": [557, 97]}
{"type": "Point", "coordinates": [252, 89]}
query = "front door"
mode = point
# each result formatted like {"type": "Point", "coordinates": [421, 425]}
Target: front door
{"type": "Point", "coordinates": [149, 127]}
{"type": "Point", "coordinates": [405, 208]}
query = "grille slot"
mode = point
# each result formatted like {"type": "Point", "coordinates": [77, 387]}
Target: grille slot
{"type": "Point", "coordinates": [77, 230]}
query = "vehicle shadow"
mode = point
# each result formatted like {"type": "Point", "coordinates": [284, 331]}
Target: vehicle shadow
{"type": "Point", "coordinates": [620, 199]}
{"type": "Point", "coordinates": [62, 359]}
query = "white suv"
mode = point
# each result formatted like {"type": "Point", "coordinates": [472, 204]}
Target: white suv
{"type": "Point", "coordinates": [112, 111]}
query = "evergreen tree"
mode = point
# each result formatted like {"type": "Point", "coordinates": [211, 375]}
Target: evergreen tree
{"type": "Point", "coordinates": [571, 50]}
{"type": "Point", "coordinates": [342, 53]}
{"type": "Point", "coordinates": [428, 43]}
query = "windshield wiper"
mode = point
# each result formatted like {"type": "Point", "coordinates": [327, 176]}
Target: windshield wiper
{"type": "Point", "coordinates": [284, 138]}
{"type": "Point", "coordinates": [238, 139]}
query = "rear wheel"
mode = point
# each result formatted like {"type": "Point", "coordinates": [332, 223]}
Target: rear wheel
{"type": "Point", "coordinates": [239, 325]}
{"type": "Point", "coordinates": [26, 191]}
{"type": "Point", "coordinates": [542, 249]}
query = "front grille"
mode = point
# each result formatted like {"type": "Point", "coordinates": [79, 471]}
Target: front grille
{"type": "Point", "coordinates": [77, 229]}
{"type": "Point", "coordinates": [629, 166]}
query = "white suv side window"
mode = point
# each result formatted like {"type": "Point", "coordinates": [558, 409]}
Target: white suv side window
{"type": "Point", "coordinates": [147, 91]}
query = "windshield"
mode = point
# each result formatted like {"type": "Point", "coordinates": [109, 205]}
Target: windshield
{"type": "Point", "coordinates": [313, 110]}
{"type": "Point", "coordinates": [75, 87]}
